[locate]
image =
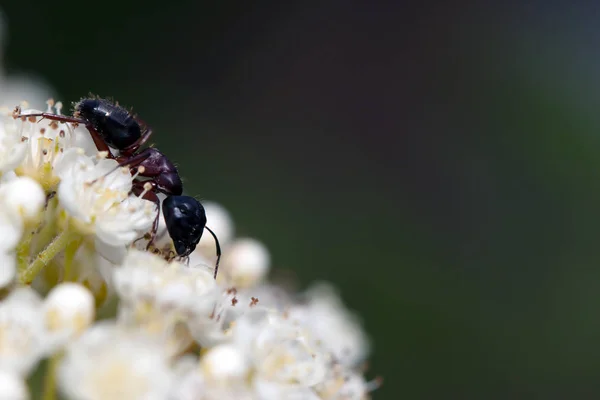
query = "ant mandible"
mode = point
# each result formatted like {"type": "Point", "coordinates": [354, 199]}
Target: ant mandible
{"type": "Point", "coordinates": [112, 126]}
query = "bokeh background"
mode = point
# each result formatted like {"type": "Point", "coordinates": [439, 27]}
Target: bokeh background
{"type": "Point", "coordinates": [438, 161]}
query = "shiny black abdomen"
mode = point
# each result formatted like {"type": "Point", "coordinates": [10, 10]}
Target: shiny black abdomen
{"type": "Point", "coordinates": [115, 124]}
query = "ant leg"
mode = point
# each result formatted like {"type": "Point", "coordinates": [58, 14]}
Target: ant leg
{"type": "Point", "coordinates": [131, 163]}
{"type": "Point", "coordinates": [136, 160]}
{"type": "Point", "coordinates": [52, 117]}
{"type": "Point", "coordinates": [218, 249]}
{"type": "Point", "coordinates": [132, 148]}
{"type": "Point", "coordinates": [98, 141]}
{"type": "Point", "coordinates": [137, 189]}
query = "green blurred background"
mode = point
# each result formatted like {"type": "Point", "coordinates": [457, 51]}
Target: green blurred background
{"type": "Point", "coordinates": [438, 162]}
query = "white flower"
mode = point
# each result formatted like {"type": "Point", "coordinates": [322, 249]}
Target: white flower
{"type": "Point", "coordinates": [97, 197]}
{"type": "Point", "coordinates": [11, 230]}
{"type": "Point", "coordinates": [51, 146]}
{"type": "Point", "coordinates": [245, 263]}
{"type": "Point", "coordinates": [225, 364]}
{"type": "Point", "coordinates": [12, 148]}
{"type": "Point", "coordinates": [280, 351]}
{"type": "Point", "coordinates": [12, 386]}
{"type": "Point", "coordinates": [22, 340]}
{"type": "Point", "coordinates": [346, 384]}
{"type": "Point", "coordinates": [339, 331]}
{"type": "Point", "coordinates": [24, 197]}
{"type": "Point", "coordinates": [169, 286]}
{"type": "Point", "coordinates": [24, 295]}
{"type": "Point", "coordinates": [68, 311]}
{"type": "Point", "coordinates": [164, 297]}
{"type": "Point", "coordinates": [223, 375]}
{"type": "Point", "coordinates": [108, 362]}
{"type": "Point", "coordinates": [11, 227]}
{"type": "Point", "coordinates": [287, 356]}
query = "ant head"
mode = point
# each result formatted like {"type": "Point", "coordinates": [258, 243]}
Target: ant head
{"type": "Point", "coordinates": [185, 219]}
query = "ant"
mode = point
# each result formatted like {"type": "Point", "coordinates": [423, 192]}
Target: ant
{"type": "Point", "coordinates": [112, 126]}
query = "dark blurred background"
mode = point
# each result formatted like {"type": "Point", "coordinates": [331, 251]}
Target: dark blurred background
{"type": "Point", "coordinates": [436, 160]}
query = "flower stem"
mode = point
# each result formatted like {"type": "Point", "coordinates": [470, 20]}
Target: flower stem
{"type": "Point", "coordinates": [58, 244]}
{"type": "Point", "coordinates": [70, 251]}
{"type": "Point", "coordinates": [23, 250]}
{"type": "Point", "coordinates": [50, 377]}
{"type": "Point", "coordinates": [48, 230]}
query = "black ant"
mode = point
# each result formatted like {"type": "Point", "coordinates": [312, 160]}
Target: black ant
{"type": "Point", "coordinates": [112, 126]}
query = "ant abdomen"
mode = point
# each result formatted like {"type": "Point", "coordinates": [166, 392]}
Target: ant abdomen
{"type": "Point", "coordinates": [114, 123]}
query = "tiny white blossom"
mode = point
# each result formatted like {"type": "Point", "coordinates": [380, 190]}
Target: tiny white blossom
{"type": "Point", "coordinates": [24, 197]}
{"type": "Point", "coordinates": [108, 362]}
{"type": "Point", "coordinates": [346, 384]}
{"type": "Point", "coordinates": [190, 386]}
{"type": "Point", "coordinates": [11, 230]}
{"type": "Point", "coordinates": [281, 351]}
{"type": "Point", "coordinates": [145, 276]}
{"type": "Point", "coordinates": [194, 385]}
{"type": "Point", "coordinates": [97, 197]}
{"type": "Point", "coordinates": [12, 387]}
{"type": "Point", "coordinates": [339, 331]}
{"type": "Point", "coordinates": [161, 296]}
{"type": "Point", "coordinates": [68, 311]}
{"type": "Point", "coordinates": [225, 364]}
{"type": "Point", "coordinates": [246, 263]}
{"type": "Point", "coordinates": [51, 147]}
{"type": "Point", "coordinates": [22, 339]}
{"type": "Point", "coordinates": [12, 148]}
{"type": "Point", "coordinates": [24, 295]}
{"type": "Point", "coordinates": [223, 374]}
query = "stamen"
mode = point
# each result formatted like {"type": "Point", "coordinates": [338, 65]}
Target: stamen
{"type": "Point", "coordinates": [50, 103]}
{"type": "Point", "coordinates": [16, 112]}
{"type": "Point", "coordinates": [140, 170]}
{"type": "Point", "coordinates": [58, 107]}
{"type": "Point", "coordinates": [147, 188]}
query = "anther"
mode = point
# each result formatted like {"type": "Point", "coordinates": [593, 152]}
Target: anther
{"type": "Point", "coordinates": [140, 170]}
{"type": "Point", "coordinates": [50, 103]}
{"type": "Point", "coordinates": [147, 188]}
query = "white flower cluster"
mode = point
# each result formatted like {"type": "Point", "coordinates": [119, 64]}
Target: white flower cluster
{"type": "Point", "coordinates": [68, 221]}
{"type": "Point", "coordinates": [69, 225]}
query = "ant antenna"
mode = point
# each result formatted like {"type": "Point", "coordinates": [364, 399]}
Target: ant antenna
{"type": "Point", "coordinates": [218, 250]}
